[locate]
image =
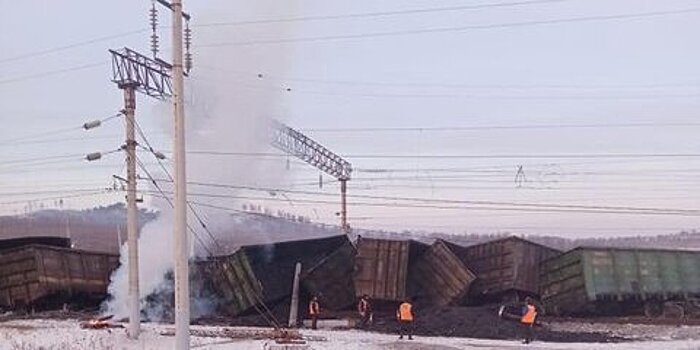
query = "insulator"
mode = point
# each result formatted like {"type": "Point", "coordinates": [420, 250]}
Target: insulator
{"type": "Point", "coordinates": [188, 44]}
{"type": "Point", "coordinates": [93, 156]}
{"type": "Point", "coordinates": [154, 45]}
{"type": "Point", "coordinates": [91, 125]}
{"type": "Point", "coordinates": [188, 61]}
{"type": "Point", "coordinates": [153, 15]}
{"type": "Point", "coordinates": [159, 155]}
{"type": "Point", "coordinates": [154, 26]}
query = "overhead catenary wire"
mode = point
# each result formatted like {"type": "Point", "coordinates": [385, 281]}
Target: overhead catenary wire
{"type": "Point", "coordinates": [53, 72]}
{"type": "Point", "coordinates": [520, 24]}
{"type": "Point", "coordinates": [449, 201]}
{"type": "Point", "coordinates": [457, 128]}
{"type": "Point", "coordinates": [462, 156]}
{"type": "Point", "coordinates": [378, 13]}
{"type": "Point", "coordinates": [455, 207]}
{"type": "Point", "coordinates": [364, 94]}
{"type": "Point", "coordinates": [70, 46]}
{"type": "Point", "coordinates": [54, 132]}
{"type": "Point", "coordinates": [258, 75]}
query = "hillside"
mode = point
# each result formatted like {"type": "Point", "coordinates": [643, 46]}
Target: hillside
{"type": "Point", "coordinates": [100, 229]}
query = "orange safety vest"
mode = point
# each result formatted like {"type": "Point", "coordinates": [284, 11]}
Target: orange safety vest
{"type": "Point", "coordinates": [529, 317]}
{"type": "Point", "coordinates": [314, 308]}
{"type": "Point", "coordinates": [405, 313]}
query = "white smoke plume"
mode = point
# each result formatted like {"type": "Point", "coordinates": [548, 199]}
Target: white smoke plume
{"type": "Point", "coordinates": [229, 108]}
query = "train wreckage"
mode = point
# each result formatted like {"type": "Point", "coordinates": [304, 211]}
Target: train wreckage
{"type": "Point", "coordinates": [45, 273]}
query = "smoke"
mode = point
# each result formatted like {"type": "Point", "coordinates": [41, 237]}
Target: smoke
{"type": "Point", "coordinates": [229, 108]}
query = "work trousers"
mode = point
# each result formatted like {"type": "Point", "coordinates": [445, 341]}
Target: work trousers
{"type": "Point", "coordinates": [364, 320]}
{"type": "Point", "coordinates": [528, 332]}
{"type": "Point", "coordinates": [314, 321]}
{"type": "Point", "coordinates": [406, 328]}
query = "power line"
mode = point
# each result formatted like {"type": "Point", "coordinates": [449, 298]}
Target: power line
{"type": "Point", "coordinates": [450, 201]}
{"type": "Point", "coordinates": [500, 127]}
{"type": "Point", "coordinates": [259, 75]}
{"type": "Point", "coordinates": [16, 140]}
{"type": "Point", "coordinates": [260, 305]}
{"type": "Point", "coordinates": [89, 194]}
{"type": "Point", "coordinates": [165, 170]}
{"type": "Point", "coordinates": [53, 72]}
{"type": "Point", "coordinates": [462, 156]}
{"type": "Point", "coordinates": [288, 90]}
{"type": "Point", "coordinates": [71, 46]}
{"type": "Point", "coordinates": [377, 14]}
{"type": "Point", "coordinates": [457, 29]}
{"type": "Point", "coordinates": [463, 207]}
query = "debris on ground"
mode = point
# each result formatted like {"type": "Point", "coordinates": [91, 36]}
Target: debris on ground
{"type": "Point", "coordinates": [100, 323]}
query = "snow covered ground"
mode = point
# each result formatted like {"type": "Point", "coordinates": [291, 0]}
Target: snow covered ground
{"type": "Point", "coordinates": [63, 335]}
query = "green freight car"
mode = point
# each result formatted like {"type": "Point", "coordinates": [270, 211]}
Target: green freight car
{"type": "Point", "coordinates": [590, 280]}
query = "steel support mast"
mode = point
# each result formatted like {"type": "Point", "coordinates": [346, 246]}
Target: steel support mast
{"type": "Point", "coordinates": [134, 72]}
{"type": "Point", "coordinates": [182, 285]}
{"type": "Point", "coordinates": [303, 147]}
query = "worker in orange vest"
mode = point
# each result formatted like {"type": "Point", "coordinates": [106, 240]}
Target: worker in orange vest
{"type": "Point", "coordinates": [405, 317]}
{"type": "Point", "coordinates": [314, 311]}
{"type": "Point", "coordinates": [528, 320]}
{"type": "Point", "coordinates": [364, 308]}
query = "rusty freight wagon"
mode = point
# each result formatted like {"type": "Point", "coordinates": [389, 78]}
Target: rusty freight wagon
{"type": "Point", "coordinates": [616, 280]}
{"type": "Point", "coordinates": [382, 268]}
{"type": "Point", "coordinates": [44, 276]}
{"type": "Point", "coordinates": [264, 273]}
{"type": "Point", "coordinates": [440, 276]}
{"type": "Point", "coordinates": [505, 268]}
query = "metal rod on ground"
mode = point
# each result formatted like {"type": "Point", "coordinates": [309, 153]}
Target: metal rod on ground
{"type": "Point", "coordinates": [131, 211]}
{"type": "Point", "coordinates": [182, 287]}
{"type": "Point", "coordinates": [294, 307]}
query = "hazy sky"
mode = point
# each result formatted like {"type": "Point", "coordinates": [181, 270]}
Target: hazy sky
{"type": "Point", "coordinates": [499, 81]}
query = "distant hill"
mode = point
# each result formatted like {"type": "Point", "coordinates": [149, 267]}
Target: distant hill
{"type": "Point", "coordinates": [95, 229]}
{"type": "Point", "coordinates": [98, 229]}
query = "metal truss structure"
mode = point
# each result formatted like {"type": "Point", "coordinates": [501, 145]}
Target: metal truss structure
{"type": "Point", "coordinates": [144, 74]}
{"type": "Point", "coordinates": [303, 147]}
{"type": "Point", "coordinates": [295, 143]}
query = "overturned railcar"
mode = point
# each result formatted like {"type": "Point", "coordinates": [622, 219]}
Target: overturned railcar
{"type": "Point", "coordinates": [46, 276]}
{"type": "Point", "coordinates": [505, 268]}
{"type": "Point", "coordinates": [589, 280]}
{"type": "Point", "coordinates": [382, 267]}
{"type": "Point", "coordinates": [263, 274]}
{"type": "Point", "coordinates": [441, 278]}
{"type": "Point", "coordinates": [331, 278]}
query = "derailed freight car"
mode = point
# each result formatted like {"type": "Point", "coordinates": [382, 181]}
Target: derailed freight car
{"type": "Point", "coordinates": [44, 276]}
{"type": "Point", "coordinates": [382, 267]}
{"type": "Point", "coordinates": [505, 268]}
{"type": "Point", "coordinates": [331, 278]}
{"type": "Point", "coordinates": [616, 280]}
{"type": "Point", "coordinates": [441, 277]}
{"type": "Point", "coordinates": [264, 273]}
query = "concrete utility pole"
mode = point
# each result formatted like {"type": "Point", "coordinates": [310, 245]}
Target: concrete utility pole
{"type": "Point", "coordinates": [131, 211]}
{"type": "Point", "coordinates": [182, 284]}
{"type": "Point", "coordinates": [294, 307]}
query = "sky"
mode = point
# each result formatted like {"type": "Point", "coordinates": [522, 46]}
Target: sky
{"type": "Point", "coordinates": [493, 116]}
